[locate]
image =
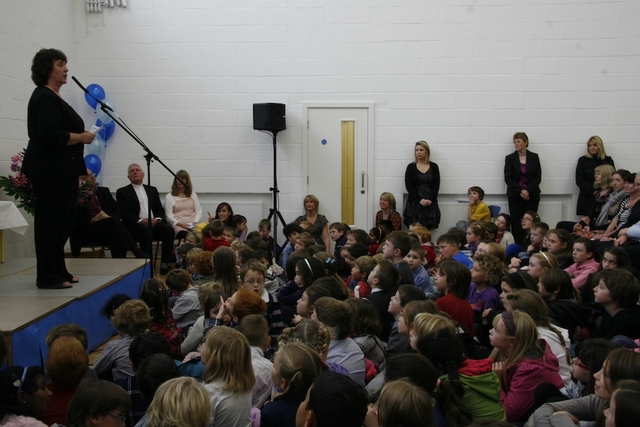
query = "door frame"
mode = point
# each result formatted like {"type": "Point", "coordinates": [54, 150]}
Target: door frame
{"type": "Point", "coordinates": [369, 107]}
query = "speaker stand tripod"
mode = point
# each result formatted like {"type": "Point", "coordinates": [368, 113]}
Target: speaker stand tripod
{"type": "Point", "coordinates": [274, 212]}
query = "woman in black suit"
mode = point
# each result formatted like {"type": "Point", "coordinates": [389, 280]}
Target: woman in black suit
{"type": "Point", "coordinates": [522, 173]}
{"type": "Point", "coordinates": [53, 162]}
{"type": "Point", "coordinates": [595, 156]}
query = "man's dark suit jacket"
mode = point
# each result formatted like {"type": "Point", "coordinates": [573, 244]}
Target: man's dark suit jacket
{"type": "Point", "coordinates": [380, 301]}
{"type": "Point", "coordinates": [129, 205]}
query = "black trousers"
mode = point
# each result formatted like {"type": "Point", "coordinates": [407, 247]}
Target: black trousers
{"type": "Point", "coordinates": [517, 207]}
{"type": "Point", "coordinates": [53, 221]}
{"type": "Point", "coordinates": [114, 233]}
{"type": "Point", "coordinates": [162, 232]}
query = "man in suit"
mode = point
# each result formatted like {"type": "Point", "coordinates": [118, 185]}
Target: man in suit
{"type": "Point", "coordinates": [99, 222]}
{"type": "Point", "coordinates": [133, 201]}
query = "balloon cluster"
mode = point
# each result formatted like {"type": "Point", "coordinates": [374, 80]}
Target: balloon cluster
{"type": "Point", "coordinates": [94, 152]}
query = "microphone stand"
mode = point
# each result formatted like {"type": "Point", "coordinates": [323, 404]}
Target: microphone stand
{"type": "Point", "coordinates": [149, 157]}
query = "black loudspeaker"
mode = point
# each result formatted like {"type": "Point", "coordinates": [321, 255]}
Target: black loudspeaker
{"type": "Point", "coordinates": [269, 116]}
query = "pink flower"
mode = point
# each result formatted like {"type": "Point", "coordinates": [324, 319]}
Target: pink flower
{"type": "Point", "coordinates": [20, 180]}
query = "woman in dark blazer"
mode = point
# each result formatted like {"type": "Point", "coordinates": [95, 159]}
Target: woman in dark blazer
{"type": "Point", "coordinates": [522, 173]}
{"type": "Point", "coordinates": [53, 162]}
{"type": "Point", "coordinates": [595, 156]}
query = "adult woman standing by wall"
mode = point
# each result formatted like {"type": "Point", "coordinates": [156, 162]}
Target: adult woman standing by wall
{"type": "Point", "coordinates": [181, 205]}
{"type": "Point", "coordinates": [53, 162]}
{"type": "Point", "coordinates": [522, 173]}
{"type": "Point", "coordinates": [422, 180]}
{"type": "Point", "coordinates": [319, 223]}
{"type": "Point", "coordinates": [595, 156]}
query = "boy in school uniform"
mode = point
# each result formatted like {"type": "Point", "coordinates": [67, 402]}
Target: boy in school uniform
{"type": "Point", "coordinates": [291, 232]}
{"type": "Point", "coordinates": [264, 228]}
{"type": "Point", "coordinates": [396, 247]}
{"type": "Point", "coordinates": [338, 233]}
{"type": "Point", "coordinates": [212, 236]}
{"type": "Point", "coordinates": [415, 260]}
{"type": "Point", "coordinates": [384, 282]}
{"type": "Point", "coordinates": [449, 246]}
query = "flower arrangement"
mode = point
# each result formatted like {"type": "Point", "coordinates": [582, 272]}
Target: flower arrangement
{"type": "Point", "coordinates": [18, 186]}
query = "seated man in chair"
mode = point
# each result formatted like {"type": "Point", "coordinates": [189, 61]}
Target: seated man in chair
{"type": "Point", "coordinates": [98, 221]}
{"type": "Point", "coordinates": [133, 201]}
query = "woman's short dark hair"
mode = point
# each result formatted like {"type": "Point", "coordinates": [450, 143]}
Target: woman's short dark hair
{"type": "Point", "coordinates": [96, 398]}
{"type": "Point", "coordinates": [43, 64]}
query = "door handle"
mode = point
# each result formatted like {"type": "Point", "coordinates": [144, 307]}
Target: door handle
{"type": "Point", "coordinates": [362, 190]}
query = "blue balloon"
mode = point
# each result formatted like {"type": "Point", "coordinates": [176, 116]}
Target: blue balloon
{"type": "Point", "coordinates": [109, 129]}
{"type": "Point", "coordinates": [97, 147]}
{"type": "Point", "coordinates": [102, 116]}
{"type": "Point", "coordinates": [93, 163]}
{"type": "Point", "coordinates": [97, 92]}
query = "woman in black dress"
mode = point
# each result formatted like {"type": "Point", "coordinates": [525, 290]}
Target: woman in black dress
{"type": "Point", "coordinates": [53, 162]}
{"type": "Point", "coordinates": [422, 179]}
{"type": "Point", "coordinates": [522, 173]}
{"type": "Point", "coordinates": [595, 156]}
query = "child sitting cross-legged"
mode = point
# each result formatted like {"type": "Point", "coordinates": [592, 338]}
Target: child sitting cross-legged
{"type": "Point", "coordinates": [186, 308]}
{"type": "Point", "coordinates": [415, 260]}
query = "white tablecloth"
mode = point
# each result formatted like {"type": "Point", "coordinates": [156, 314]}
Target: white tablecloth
{"type": "Point", "coordinates": [11, 218]}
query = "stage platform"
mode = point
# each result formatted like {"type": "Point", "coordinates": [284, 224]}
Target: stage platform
{"type": "Point", "coordinates": [28, 313]}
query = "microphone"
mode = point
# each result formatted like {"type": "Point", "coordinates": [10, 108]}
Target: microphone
{"type": "Point", "coordinates": [102, 104]}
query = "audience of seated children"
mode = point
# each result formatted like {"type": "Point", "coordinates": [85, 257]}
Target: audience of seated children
{"type": "Point", "coordinates": [426, 323]}
{"type": "Point", "coordinates": [180, 402]}
{"type": "Point", "coordinates": [528, 220]}
{"type": "Point", "coordinates": [406, 293]}
{"type": "Point", "coordinates": [471, 382]}
{"type": "Point", "coordinates": [239, 223]}
{"type": "Point", "coordinates": [342, 349]}
{"type": "Point", "coordinates": [186, 308]}
{"type": "Point", "coordinates": [477, 209]}
{"type": "Point", "coordinates": [228, 376]}
{"type": "Point", "coordinates": [488, 247]}
{"type": "Point", "coordinates": [203, 266]}
{"type": "Point", "coordinates": [559, 243]}
{"type": "Point", "coordinates": [383, 280]}
{"type": "Point", "coordinates": [225, 269]}
{"type": "Point", "coordinates": [396, 247]}
{"type": "Point", "coordinates": [557, 338]}
{"type": "Point", "coordinates": [67, 364]}
{"type": "Point", "coordinates": [296, 367]}
{"type": "Point", "coordinates": [584, 264]}
{"type": "Point", "coordinates": [252, 277]}
{"type": "Point", "coordinates": [350, 254]}
{"type": "Point", "coordinates": [98, 402]}
{"type": "Point", "coordinates": [360, 271]}
{"type": "Point", "coordinates": [522, 361]}
{"type": "Point", "coordinates": [271, 281]}
{"type": "Point", "coordinates": [290, 232]}
{"type": "Point", "coordinates": [180, 254]}
{"type": "Point", "coordinates": [308, 270]}
{"type": "Point", "coordinates": [412, 310]}
{"type": "Point", "coordinates": [365, 331]}
{"type": "Point", "coordinates": [130, 319]}
{"type": "Point", "coordinates": [485, 276]}
{"type": "Point", "coordinates": [209, 296]}
{"type": "Point", "coordinates": [424, 239]}
{"type": "Point", "coordinates": [242, 303]}
{"type": "Point", "coordinates": [561, 298]}
{"type": "Point", "coordinates": [155, 295]}
{"type": "Point", "coordinates": [314, 334]}
{"type": "Point", "coordinates": [453, 280]}
{"type": "Point", "coordinates": [376, 238]}
{"type": "Point", "coordinates": [213, 237]}
{"type": "Point", "coordinates": [617, 292]}
{"type": "Point", "coordinates": [415, 260]}
{"type": "Point", "coordinates": [449, 246]}
{"type": "Point", "coordinates": [504, 236]}
{"type": "Point", "coordinates": [620, 364]}
{"type": "Point", "coordinates": [256, 329]}
{"type": "Point", "coordinates": [333, 400]}
{"type": "Point", "coordinates": [536, 238]}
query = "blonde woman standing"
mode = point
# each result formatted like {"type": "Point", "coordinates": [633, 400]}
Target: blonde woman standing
{"type": "Point", "coordinates": [422, 180]}
{"type": "Point", "coordinates": [594, 157]}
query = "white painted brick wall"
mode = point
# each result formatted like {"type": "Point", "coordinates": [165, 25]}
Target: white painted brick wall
{"type": "Point", "coordinates": [464, 77]}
